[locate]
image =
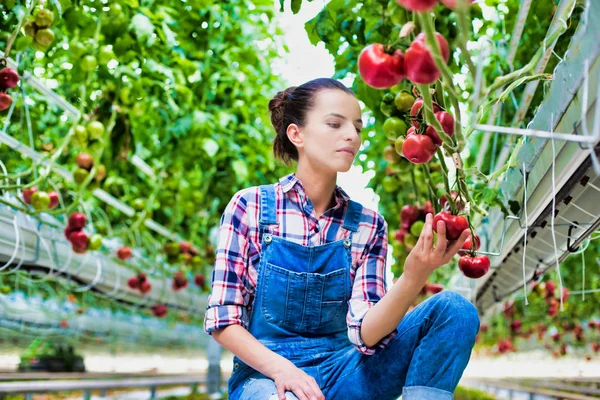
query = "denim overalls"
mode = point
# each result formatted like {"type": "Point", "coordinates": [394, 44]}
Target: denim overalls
{"type": "Point", "coordinates": [299, 311]}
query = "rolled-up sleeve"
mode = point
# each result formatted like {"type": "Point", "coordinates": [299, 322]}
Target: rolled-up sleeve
{"type": "Point", "coordinates": [229, 297]}
{"type": "Point", "coordinates": [369, 287]}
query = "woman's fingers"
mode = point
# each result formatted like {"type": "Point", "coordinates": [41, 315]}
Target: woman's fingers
{"type": "Point", "coordinates": [458, 243]}
{"type": "Point", "coordinates": [427, 233]}
{"type": "Point", "coordinates": [442, 243]}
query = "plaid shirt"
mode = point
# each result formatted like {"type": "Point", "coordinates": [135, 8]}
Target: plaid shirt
{"type": "Point", "coordinates": [239, 248]}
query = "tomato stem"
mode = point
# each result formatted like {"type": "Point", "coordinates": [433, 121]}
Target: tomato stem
{"type": "Point", "coordinates": [464, 33]}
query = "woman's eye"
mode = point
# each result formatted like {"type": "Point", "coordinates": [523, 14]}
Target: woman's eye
{"type": "Point", "coordinates": [334, 125]}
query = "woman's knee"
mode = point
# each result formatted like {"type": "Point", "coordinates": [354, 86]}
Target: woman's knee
{"type": "Point", "coordinates": [459, 309]}
{"type": "Point", "coordinates": [262, 389]}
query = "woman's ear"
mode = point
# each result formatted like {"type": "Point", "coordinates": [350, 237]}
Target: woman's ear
{"type": "Point", "coordinates": [295, 136]}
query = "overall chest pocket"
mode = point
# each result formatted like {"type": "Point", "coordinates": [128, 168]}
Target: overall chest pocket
{"type": "Point", "coordinates": [303, 302]}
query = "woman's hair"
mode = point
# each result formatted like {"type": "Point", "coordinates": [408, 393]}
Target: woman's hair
{"type": "Point", "coordinates": [290, 107]}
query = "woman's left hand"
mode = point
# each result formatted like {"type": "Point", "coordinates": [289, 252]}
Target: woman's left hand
{"type": "Point", "coordinates": [424, 258]}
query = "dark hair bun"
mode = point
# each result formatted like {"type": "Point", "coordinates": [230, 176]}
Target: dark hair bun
{"type": "Point", "coordinates": [277, 108]}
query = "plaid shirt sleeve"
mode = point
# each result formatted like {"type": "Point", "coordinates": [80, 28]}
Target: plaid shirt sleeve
{"type": "Point", "coordinates": [229, 298]}
{"type": "Point", "coordinates": [369, 287]}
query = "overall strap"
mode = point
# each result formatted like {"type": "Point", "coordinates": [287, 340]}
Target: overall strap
{"type": "Point", "coordinates": [268, 208]}
{"type": "Point", "coordinates": [353, 214]}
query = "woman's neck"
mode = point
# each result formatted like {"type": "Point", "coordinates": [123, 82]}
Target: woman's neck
{"type": "Point", "coordinates": [319, 188]}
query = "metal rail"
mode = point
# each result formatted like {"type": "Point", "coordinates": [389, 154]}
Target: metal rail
{"type": "Point", "coordinates": [87, 385]}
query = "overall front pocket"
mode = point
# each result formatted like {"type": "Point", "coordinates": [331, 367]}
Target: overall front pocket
{"type": "Point", "coordinates": [304, 302]}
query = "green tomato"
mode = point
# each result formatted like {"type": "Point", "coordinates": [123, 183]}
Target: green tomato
{"type": "Point", "coordinates": [139, 204]}
{"type": "Point", "coordinates": [80, 175]}
{"type": "Point", "coordinates": [416, 228]}
{"type": "Point", "coordinates": [81, 133]}
{"type": "Point", "coordinates": [40, 200]}
{"type": "Point", "coordinates": [394, 127]}
{"type": "Point", "coordinates": [95, 242]}
{"type": "Point", "coordinates": [172, 248]}
{"type": "Point", "coordinates": [390, 155]}
{"type": "Point", "coordinates": [196, 262]}
{"type": "Point", "coordinates": [404, 101]}
{"type": "Point", "coordinates": [5, 289]}
{"type": "Point", "coordinates": [44, 18]}
{"type": "Point", "coordinates": [398, 145]}
{"type": "Point", "coordinates": [410, 241]}
{"type": "Point", "coordinates": [387, 105]}
{"type": "Point", "coordinates": [95, 130]}
{"type": "Point", "coordinates": [105, 55]}
{"type": "Point", "coordinates": [390, 184]}
{"type": "Point", "coordinates": [29, 29]}
{"type": "Point", "coordinates": [77, 49]}
{"type": "Point", "coordinates": [190, 208]}
{"type": "Point", "coordinates": [44, 37]}
{"type": "Point", "coordinates": [89, 63]}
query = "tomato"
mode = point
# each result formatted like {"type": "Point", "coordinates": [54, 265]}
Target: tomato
{"type": "Point", "coordinates": [80, 175]}
{"type": "Point", "coordinates": [29, 28]}
{"type": "Point", "coordinates": [44, 18]}
{"type": "Point", "coordinates": [468, 245]}
{"type": "Point", "coordinates": [77, 49]}
{"type": "Point", "coordinates": [410, 241]}
{"type": "Point", "coordinates": [95, 242]}
{"type": "Point", "coordinates": [447, 122]}
{"type": "Point", "coordinates": [416, 228]}
{"type": "Point", "coordinates": [434, 288]}
{"type": "Point", "coordinates": [96, 130]}
{"type": "Point", "coordinates": [408, 215]}
{"type": "Point", "coordinates": [452, 3]}
{"type": "Point", "coordinates": [27, 193]}
{"type": "Point", "coordinates": [474, 267]}
{"type": "Point", "coordinates": [379, 69]}
{"type": "Point", "coordinates": [88, 63]}
{"type": "Point", "coordinates": [105, 55]}
{"type": "Point", "coordinates": [445, 205]}
{"type": "Point", "coordinates": [79, 240]}
{"type": "Point", "coordinates": [5, 101]}
{"type": "Point", "coordinates": [400, 235]}
{"type": "Point", "coordinates": [394, 127]}
{"type": "Point", "coordinates": [139, 204]}
{"type": "Point", "coordinates": [54, 199]}
{"type": "Point", "coordinates": [404, 101]}
{"type": "Point", "coordinates": [133, 282]}
{"type": "Point", "coordinates": [159, 310]}
{"type": "Point", "coordinates": [8, 78]}
{"type": "Point", "coordinates": [455, 224]}
{"type": "Point", "coordinates": [124, 253]}
{"type": "Point", "coordinates": [85, 161]}
{"type": "Point", "coordinates": [426, 209]}
{"type": "Point", "coordinates": [416, 112]}
{"type": "Point", "coordinates": [100, 173]}
{"type": "Point", "coordinates": [5, 289]}
{"type": "Point", "coordinates": [398, 146]}
{"type": "Point", "coordinates": [40, 200]}
{"type": "Point", "coordinates": [77, 221]}
{"type": "Point", "coordinates": [418, 5]}
{"type": "Point", "coordinates": [390, 184]}
{"type": "Point", "coordinates": [419, 65]}
{"type": "Point", "coordinates": [418, 149]}
{"type": "Point", "coordinates": [199, 280]}
{"type": "Point", "coordinates": [145, 287]}
{"type": "Point", "coordinates": [44, 37]}
{"type": "Point", "coordinates": [171, 248]}
{"type": "Point", "coordinates": [390, 155]}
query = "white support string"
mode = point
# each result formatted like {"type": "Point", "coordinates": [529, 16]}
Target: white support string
{"type": "Point", "coordinates": [560, 283]}
{"type": "Point", "coordinates": [525, 232]}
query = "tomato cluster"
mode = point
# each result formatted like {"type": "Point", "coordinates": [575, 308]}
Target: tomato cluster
{"type": "Point", "coordinates": [140, 282]}
{"type": "Point", "coordinates": [412, 221]}
{"type": "Point", "coordinates": [37, 27]}
{"type": "Point", "coordinates": [9, 78]}
{"type": "Point", "coordinates": [382, 66]}
{"type": "Point", "coordinates": [80, 242]}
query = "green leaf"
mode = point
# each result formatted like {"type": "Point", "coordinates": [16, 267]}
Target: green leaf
{"type": "Point", "coordinates": [515, 207]}
{"type": "Point", "coordinates": [296, 4]}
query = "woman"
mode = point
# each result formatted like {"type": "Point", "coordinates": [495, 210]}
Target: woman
{"type": "Point", "coordinates": [299, 281]}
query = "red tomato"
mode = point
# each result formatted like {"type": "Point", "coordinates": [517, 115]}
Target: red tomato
{"type": "Point", "coordinates": [5, 101]}
{"type": "Point", "coordinates": [434, 288]}
{"type": "Point", "coordinates": [468, 245]}
{"type": "Point", "coordinates": [400, 235]}
{"type": "Point", "coordinates": [53, 199]}
{"type": "Point", "coordinates": [77, 221]}
{"type": "Point", "coordinates": [8, 78]}
{"type": "Point", "coordinates": [408, 215]}
{"type": "Point", "coordinates": [426, 209]}
{"type": "Point", "coordinates": [27, 193]}
{"type": "Point", "coordinates": [133, 282]}
{"type": "Point", "coordinates": [79, 240]}
{"type": "Point", "coordinates": [455, 224]}
{"type": "Point", "coordinates": [379, 69]}
{"type": "Point", "coordinates": [418, 62]}
{"type": "Point", "coordinates": [416, 113]}
{"type": "Point", "coordinates": [124, 253]}
{"type": "Point", "coordinates": [447, 122]}
{"type": "Point", "coordinates": [418, 5]}
{"type": "Point", "coordinates": [474, 267]}
{"type": "Point", "coordinates": [199, 281]}
{"type": "Point", "coordinates": [418, 149]}
{"type": "Point", "coordinates": [145, 287]}
{"type": "Point", "coordinates": [159, 310]}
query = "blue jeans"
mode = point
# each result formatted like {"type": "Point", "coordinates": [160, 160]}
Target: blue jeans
{"type": "Point", "coordinates": [424, 361]}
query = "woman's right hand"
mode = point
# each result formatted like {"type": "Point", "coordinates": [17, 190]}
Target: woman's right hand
{"type": "Point", "coordinates": [289, 377]}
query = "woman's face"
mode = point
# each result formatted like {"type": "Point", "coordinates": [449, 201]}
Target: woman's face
{"type": "Point", "coordinates": [330, 138]}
